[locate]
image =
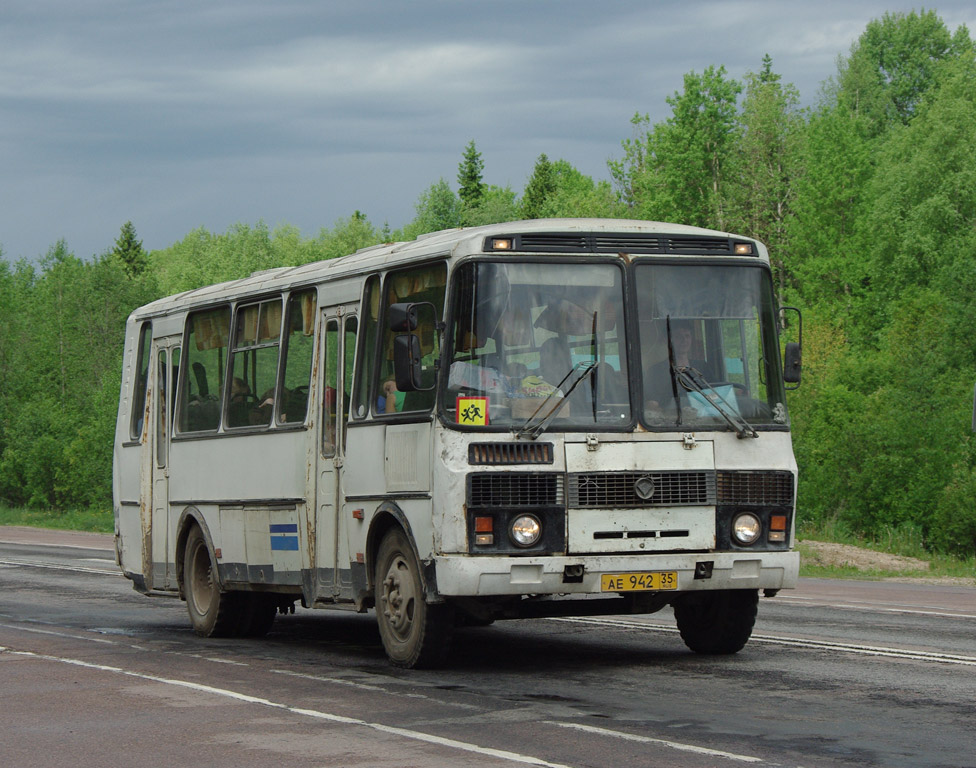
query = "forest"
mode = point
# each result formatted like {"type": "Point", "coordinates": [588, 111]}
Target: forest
{"type": "Point", "coordinates": [867, 201]}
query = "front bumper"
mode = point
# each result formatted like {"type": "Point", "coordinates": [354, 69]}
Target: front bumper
{"type": "Point", "coordinates": [465, 576]}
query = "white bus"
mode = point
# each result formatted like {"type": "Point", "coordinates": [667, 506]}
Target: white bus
{"type": "Point", "coordinates": [533, 419]}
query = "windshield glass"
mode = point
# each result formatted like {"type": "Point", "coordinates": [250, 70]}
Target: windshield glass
{"type": "Point", "coordinates": [721, 326]}
{"type": "Point", "coordinates": [528, 338]}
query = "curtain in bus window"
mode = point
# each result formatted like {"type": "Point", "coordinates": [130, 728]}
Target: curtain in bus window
{"type": "Point", "coordinates": [206, 345]}
{"type": "Point", "coordinates": [254, 366]}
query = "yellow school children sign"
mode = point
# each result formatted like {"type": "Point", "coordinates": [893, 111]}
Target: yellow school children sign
{"type": "Point", "coordinates": [472, 411]}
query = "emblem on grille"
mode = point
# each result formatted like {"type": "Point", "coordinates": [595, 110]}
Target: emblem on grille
{"type": "Point", "coordinates": [644, 487]}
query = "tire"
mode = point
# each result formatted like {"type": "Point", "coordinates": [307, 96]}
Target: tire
{"type": "Point", "coordinates": [717, 622]}
{"type": "Point", "coordinates": [212, 613]}
{"type": "Point", "coordinates": [257, 615]}
{"type": "Point", "coordinates": [415, 634]}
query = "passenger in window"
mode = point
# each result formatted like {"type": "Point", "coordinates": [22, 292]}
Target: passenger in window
{"type": "Point", "coordinates": [239, 404]}
{"type": "Point", "coordinates": [658, 376]}
{"type": "Point", "coordinates": [260, 414]}
{"type": "Point", "coordinates": [391, 399]}
{"type": "Point", "coordinates": [554, 365]}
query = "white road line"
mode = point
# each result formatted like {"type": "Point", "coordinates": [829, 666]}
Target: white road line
{"type": "Point", "coordinates": [313, 713]}
{"type": "Point", "coordinates": [824, 645]}
{"type": "Point", "coordinates": [677, 745]}
{"type": "Point", "coordinates": [36, 631]}
{"type": "Point", "coordinates": [859, 605]}
{"type": "Point", "coordinates": [54, 567]}
{"type": "Point", "coordinates": [370, 687]}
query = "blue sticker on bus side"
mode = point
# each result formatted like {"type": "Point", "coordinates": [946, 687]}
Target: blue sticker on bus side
{"type": "Point", "coordinates": [284, 537]}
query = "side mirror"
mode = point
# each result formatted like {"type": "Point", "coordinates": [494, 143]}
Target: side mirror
{"type": "Point", "coordinates": [792, 354]}
{"type": "Point", "coordinates": [792, 363]}
{"type": "Point", "coordinates": [404, 317]}
{"type": "Point", "coordinates": [407, 367]}
{"type": "Point", "coordinates": [411, 322]}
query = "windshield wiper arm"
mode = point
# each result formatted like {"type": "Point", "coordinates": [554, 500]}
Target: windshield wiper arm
{"type": "Point", "coordinates": [692, 378]}
{"type": "Point", "coordinates": [582, 371]}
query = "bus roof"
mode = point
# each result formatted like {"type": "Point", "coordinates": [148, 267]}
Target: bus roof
{"type": "Point", "coordinates": [458, 241]}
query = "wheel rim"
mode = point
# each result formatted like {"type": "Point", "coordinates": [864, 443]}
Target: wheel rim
{"type": "Point", "coordinates": [399, 597]}
{"type": "Point", "coordinates": [201, 580]}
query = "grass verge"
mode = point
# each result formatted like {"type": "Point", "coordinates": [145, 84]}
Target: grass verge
{"type": "Point", "coordinates": [93, 520]}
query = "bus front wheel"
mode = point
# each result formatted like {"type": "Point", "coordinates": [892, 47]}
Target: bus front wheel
{"type": "Point", "coordinates": [212, 613]}
{"type": "Point", "coordinates": [717, 622]}
{"type": "Point", "coordinates": [414, 632]}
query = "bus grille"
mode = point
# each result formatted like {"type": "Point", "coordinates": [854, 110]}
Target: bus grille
{"type": "Point", "coordinates": [769, 488]}
{"type": "Point", "coordinates": [515, 490]}
{"type": "Point", "coordinates": [620, 489]}
{"type": "Point", "coordinates": [510, 453]}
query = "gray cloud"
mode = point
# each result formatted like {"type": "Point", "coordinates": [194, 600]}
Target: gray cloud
{"type": "Point", "coordinates": [178, 115]}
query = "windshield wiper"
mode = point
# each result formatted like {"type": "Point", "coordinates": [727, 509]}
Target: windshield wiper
{"type": "Point", "coordinates": [692, 378]}
{"type": "Point", "coordinates": [581, 372]}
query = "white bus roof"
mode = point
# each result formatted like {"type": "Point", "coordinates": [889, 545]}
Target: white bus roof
{"type": "Point", "coordinates": [459, 241]}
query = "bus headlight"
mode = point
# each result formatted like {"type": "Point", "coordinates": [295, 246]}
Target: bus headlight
{"type": "Point", "coordinates": [526, 530]}
{"type": "Point", "coordinates": [746, 528]}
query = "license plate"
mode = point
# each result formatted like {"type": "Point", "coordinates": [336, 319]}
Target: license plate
{"type": "Point", "coordinates": [652, 581]}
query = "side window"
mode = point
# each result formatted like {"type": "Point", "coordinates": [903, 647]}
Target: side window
{"type": "Point", "coordinates": [206, 359]}
{"type": "Point", "coordinates": [138, 404]}
{"type": "Point", "coordinates": [367, 356]}
{"type": "Point", "coordinates": [420, 284]}
{"type": "Point", "coordinates": [254, 364]}
{"type": "Point", "coordinates": [162, 416]}
{"type": "Point", "coordinates": [331, 402]}
{"type": "Point", "coordinates": [348, 351]}
{"type": "Point", "coordinates": [292, 403]}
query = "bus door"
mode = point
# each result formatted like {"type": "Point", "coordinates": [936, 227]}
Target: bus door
{"type": "Point", "coordinates": [166, 352]}
{"type": "Point", "coordinates": [331, 550]}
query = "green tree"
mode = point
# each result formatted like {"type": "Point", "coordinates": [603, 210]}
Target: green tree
{"type": "Point", "coordinates": [498, 204]}
{"type": "Point", "coordinates": [894, 62]}
{"type": "Point", "coordinates": [764, 165]}
{"type": "Point", "coordinates": [470, 170]}
{"type": "Point", "coordinates": [676, 170]}
{"type": "Point", "coordinates": [540, 187]}
{"type": "Point", "coordinates": [437, 208]}
{"type": "Point", "coordinates": [128, 249]}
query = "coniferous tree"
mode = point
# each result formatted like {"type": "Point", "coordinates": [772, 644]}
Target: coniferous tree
{"type": "Point", "coordinates": [129, 249]}
{"type": "Point", "coordinates": [541, 186]}
{"type": "Point", "coordinates": [470, 170]}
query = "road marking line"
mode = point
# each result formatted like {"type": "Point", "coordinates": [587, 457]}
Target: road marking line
{"type": "Point", "coordinates": [662, 742]}
{"type": "Point", "coordinates": [53, 567]}
{"type": "Point", "coordinates": [370, 687]}
{"type": "Point", "coordinates": [865, 606]}
{"type": "Point", "coordinates": [313, 713]}
{"type": "Point", "coordinates": [824, 645]}
{"type": "Point", "coordinates": [58, 634]}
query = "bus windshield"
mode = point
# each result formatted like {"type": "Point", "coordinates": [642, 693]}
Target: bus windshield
{"type": "Point", "coordinates": [531, 340]}
{"type": "Point", "coordinates": [709, 347]}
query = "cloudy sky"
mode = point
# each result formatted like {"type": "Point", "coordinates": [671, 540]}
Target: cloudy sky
{"type": "Point", "coordinates": [176, 114]}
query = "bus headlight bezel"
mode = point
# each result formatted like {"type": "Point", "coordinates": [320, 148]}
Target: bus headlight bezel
{"type": "Point", "coordinates": [747, 528]}
{"type": "Point", "coordinates": [525, 530]}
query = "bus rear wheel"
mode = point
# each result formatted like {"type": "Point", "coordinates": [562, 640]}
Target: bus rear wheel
{"type": "Point", "coordinates": [415, 634]}
{"type": "Point", "coordinates": [717, 622]}
{"type": "Point", "coordinates": [212, 613]}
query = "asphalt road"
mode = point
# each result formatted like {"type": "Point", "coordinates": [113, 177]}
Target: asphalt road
{"type": "Point", "coordinates": [838, 673]}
